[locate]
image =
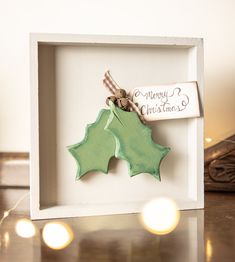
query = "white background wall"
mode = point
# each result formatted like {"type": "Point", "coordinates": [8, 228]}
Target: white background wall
{"type": "Point", "coordinates": [214, 20]}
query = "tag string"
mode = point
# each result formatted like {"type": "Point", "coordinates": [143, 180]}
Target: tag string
{"type": "Point", "coordinates": [120, 96]}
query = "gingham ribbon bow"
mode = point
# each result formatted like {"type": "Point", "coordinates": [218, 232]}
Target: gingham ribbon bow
{"type": "Point", "coordinates": [112, 86]}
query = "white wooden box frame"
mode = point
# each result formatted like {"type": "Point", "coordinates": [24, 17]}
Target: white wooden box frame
{"type": "Point", "coordinates": [66, 74]}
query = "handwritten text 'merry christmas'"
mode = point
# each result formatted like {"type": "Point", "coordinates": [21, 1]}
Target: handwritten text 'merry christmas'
{"type": "Point", "coordinates": [167, 101]}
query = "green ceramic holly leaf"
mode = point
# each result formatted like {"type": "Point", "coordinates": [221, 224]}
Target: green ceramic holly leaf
{"type": "Point", "coordinates": [134, 143]}
{"type": "Point", "coordinates": [95, 150]}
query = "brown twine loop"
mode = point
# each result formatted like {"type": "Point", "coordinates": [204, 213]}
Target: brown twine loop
{"type": "Point", "coordinates": [120, 96]}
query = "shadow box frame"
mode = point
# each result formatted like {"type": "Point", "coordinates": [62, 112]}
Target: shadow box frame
{"type": "Point", "coordinates": [66, 73]}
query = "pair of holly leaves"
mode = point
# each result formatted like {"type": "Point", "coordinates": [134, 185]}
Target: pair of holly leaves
{"type": "Point", "coordinates": [121, 134]}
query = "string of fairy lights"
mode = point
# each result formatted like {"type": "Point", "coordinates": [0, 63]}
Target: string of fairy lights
{"type": "Point", "coordinates": [56, 235]}
{"type": "Point", "coordinates": [160, 216]}
{"type": "Point", "coordinates": [6, 213]}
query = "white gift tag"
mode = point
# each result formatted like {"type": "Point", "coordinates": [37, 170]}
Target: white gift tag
{"type": "Point", "coordinates": [160, 102]}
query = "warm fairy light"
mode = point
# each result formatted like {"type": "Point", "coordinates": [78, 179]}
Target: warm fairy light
{"type": "Point", "coordinates": [5, 214]}
{"type": "Point", "coordinates": [4, 240]}
{"type": "Point", "coordinates": [160, 216]}
{"type": "Point", "coordinates": [57, 235]}
{"type": "Point", "coordinates": [25, 228]}
{"type": "Point", "coordinates": [208, 139]}
{"type": "Point", "coordinates": [209, 250]}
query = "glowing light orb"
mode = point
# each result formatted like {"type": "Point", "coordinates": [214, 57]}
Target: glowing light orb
{"type": "Point", "coordinates": [208, 139]}
{"type": "Point", "coordinates": [209, 250]}
{"type": "Point", "coordinates": [25, 228]}
{"type": "Point", "coordinates": [160, 216]}
{"type": "Point", "coordinates": [57, 235]}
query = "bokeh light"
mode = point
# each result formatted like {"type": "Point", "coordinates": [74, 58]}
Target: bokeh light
{"type": "Point", "coordinates": [209, 250]}
{"type": "Point", "coordinates": [160, 216]}
{"type": "Point", "coordinates": [208, 139]}
{"type": "Point", "coordinates": [6, 239]}
{"type": "Point", "coordinates": [57, 235]}
{"type": "Point", "coordinates": [25, 228]}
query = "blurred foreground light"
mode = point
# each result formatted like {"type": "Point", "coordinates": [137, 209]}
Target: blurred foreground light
{"type": "Point", "coordinates": [208, 139]}
{"type": "Point", "coordinates": [57, 235]}
{"type": "Point", "coordinates": [160, 216]}
{"type": "Point", "coordinates": [6, 239]}
{"type": "Point", "coordinates": [25, 228]}
{"type": "Point", "coordinates": [209, 250]}
{"type": "Point", "coordinates": [6, 214]}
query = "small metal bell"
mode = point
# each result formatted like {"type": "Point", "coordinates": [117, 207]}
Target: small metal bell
{"type": "Point", "coordinates": [111, 98]}
{"type": "Point", "coordinates": [120, 93]}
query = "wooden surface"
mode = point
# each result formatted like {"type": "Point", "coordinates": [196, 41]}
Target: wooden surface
{"type": "Point", "coordinates": [220, 166]}
{"type": "Point", "coordinates": [14, 170]}
{"type": "Point", "coordinates": [122, 238]}
{"type": "Point", "coordinates": [4, 156]}
{"type": "Point", "coordinates": [202, 235]}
